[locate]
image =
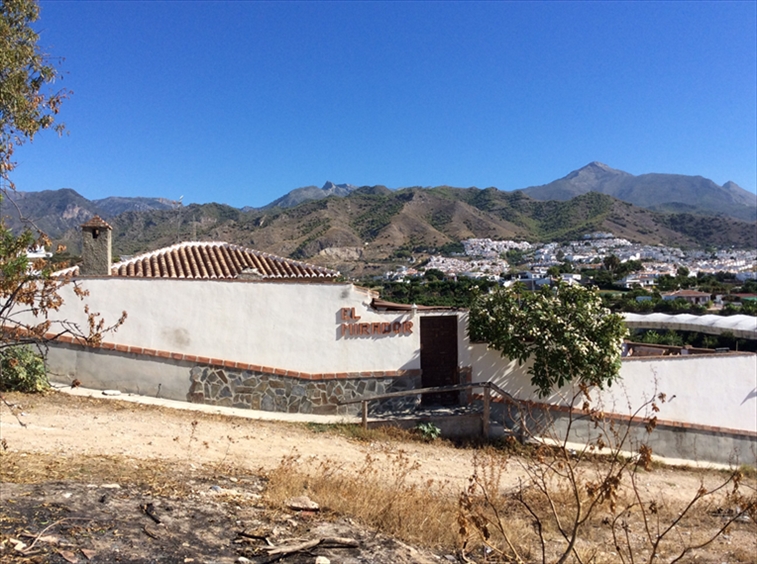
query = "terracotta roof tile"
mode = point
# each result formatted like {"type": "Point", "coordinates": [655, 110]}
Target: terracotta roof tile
{"type": "Point", "coordinates": [687, 293]}
{"type": "Point", "coordinates": [213, 260]}
{"type": "Point", "coordinates": [97, 221]}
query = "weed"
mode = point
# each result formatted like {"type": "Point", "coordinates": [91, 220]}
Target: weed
{"type": "Point", "coordinates": [428, 431]}
{"type": "Point", "coordinates": [748, 471]}
{"type": "Point", "coordinates": [383, 433]}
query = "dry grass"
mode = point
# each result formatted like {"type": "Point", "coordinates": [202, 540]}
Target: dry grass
{"type": "Point", "coordinates": [526, 523]}
{"type": "Point", "coordinates": [381, 433]}
{"type": "Point", "coordinates": [422, 513]}
{"type": "Point", "coordinates": [158, 477]}
{"type": "Point", "coordinates": [493, 524]}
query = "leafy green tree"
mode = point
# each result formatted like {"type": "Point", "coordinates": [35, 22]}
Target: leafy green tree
{"type": "Point", "coordinates": [749, 307]}
{"type": "Point", "coordinates": [564, 329]}
{"type": "Point", "coordinates": [602, 278]}
{"type": "Point", "coordinates": [749, 287]}
{"type": "Point", "coordinates": [515, 257]}
{"type": "Point", "coordinates": [434, 274]}
{"type": "Point", "coordinates": [666, 283]}
{"type": "Point", "coordinates": [628, 267]}
{"type": "Point", "coordinates": [454, 248]}
{"type": "Point", "coordinates": [611, 262]}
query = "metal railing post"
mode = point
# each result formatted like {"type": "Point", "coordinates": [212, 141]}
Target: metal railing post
{"type": "Point", "coordinates": [485, 417]}
{"type": "Point", "coordinates": [365, 414]}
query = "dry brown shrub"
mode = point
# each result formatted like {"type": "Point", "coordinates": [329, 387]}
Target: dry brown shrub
{"type": "Point", "coordinates": [387, 499]}
{"type": "Point", "coordinates": [533, 521]}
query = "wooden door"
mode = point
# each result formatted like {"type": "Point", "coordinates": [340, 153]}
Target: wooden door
{"type": "Point", "coordinates": [439, 357]}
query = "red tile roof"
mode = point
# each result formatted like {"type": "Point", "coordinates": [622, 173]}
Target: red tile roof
{"type": "Point", "coordinates": [97, 221]}
{"type": "Point", "coordinates": [213, 260]}
{"type": "Point", "coordinates": [688, 293]}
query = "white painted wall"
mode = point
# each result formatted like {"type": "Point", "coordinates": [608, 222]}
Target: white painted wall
{"type": "Point", "coordinates": [716, 390]}
{"type": "Point", "coordinates": [713, 390]}
{"type": "Point", "coordinates": [293, 326]}
{"type": "Point", "coordinates": [296, 327]}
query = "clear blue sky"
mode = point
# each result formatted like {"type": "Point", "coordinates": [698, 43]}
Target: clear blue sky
{"type": "Point", "coordinates": [240, 102]}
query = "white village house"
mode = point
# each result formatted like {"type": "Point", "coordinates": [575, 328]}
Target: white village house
{"type": "Point", "coordinates": [220, 324]}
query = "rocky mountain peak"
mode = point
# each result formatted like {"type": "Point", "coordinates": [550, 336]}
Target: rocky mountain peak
{"type": "Point", "coordinates": [597, 168]}
{"type": "Point", "coordinates": [591, 176]}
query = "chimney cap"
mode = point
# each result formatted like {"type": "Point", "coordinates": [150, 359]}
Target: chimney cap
{"type": "Point", "coordinates": [97, 221]}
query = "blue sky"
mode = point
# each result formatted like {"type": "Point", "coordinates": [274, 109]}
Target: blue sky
{"type": "Point", "coordinates": [240, 102]}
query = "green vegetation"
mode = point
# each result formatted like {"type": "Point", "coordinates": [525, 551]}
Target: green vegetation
{"type": "Point", "coordinates": [22, 370]}
{"type": "Point", "coordinates": [439, 220]}
{"type": "Point", "coordinates": [563, 329]}
{"type": "Point", "coordinates": [640, 300]}
{"type": "Point", "coordinates": [29, 296]}
{"type": "Point", "coordinates": [696, 340]}
{"type": "Point", "coordinates": [379, 213]}
{"type": "Point", "coordinates": [314, 229]}
{"type": "Point", "coordinates": [515, 257]}
{"type": "Point", "coordinates": [434, 289]}
{"type": "Point", "coordinates": [428, 431]}
{"type": "Point", "coordinates": [613, 272]}
{"type": "Point", "coordinates": [453, 248]}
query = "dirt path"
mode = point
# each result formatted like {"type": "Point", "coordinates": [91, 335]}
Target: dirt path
{"type": "Point", "coordinates": [65, 426]}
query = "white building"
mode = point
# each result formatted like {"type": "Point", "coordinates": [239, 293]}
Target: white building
{"type": "Point", "coordinates": [223, 325]}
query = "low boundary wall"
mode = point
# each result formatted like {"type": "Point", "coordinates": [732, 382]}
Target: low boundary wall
{"type": "Point", "coordinates": [221, 382]}
{"type": "Point", "coordinates": [669, 439]}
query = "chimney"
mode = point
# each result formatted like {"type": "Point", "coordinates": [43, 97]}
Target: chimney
{"type": "Point", "coordinates": [95, 248]}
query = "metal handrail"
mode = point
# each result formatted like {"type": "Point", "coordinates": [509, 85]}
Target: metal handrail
{"type": "Point", "coordinates": [487, 386]}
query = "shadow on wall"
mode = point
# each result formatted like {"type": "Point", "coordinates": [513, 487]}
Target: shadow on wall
{"type": "Point", "coordinates": [490, 366]}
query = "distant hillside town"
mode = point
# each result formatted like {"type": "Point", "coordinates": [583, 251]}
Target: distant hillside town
{"type": "Point", "coordinates": [497, 260]}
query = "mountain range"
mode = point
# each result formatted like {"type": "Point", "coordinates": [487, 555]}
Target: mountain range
{"type": "Point", "coordinates": [307, 193]}
{"type": "Point", "coordinates": [661, 192]}
{"type": "Point", "coordinates": [368, 228]}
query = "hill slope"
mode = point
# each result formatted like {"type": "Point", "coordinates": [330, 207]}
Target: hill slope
{"type": "Point", "coordinates": [374, 227]}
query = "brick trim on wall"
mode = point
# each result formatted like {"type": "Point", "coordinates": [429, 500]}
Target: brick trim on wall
{"type": "Point", "coordinates": [222, 363]}
{"type": "Point", "coordinates": [625, 418]}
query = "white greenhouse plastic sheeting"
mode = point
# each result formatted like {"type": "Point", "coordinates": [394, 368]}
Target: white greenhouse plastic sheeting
{"type": "Point", "coordinates": [741, 326]}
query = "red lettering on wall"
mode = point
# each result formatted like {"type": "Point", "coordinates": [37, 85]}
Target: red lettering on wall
{"type": "Point", "coordinates": [348, 317]}
{"type": "Point", "coordinates": [348, 314]}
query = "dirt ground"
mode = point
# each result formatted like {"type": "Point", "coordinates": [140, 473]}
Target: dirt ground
{"type": "Point", "coordinates": [94, 511]}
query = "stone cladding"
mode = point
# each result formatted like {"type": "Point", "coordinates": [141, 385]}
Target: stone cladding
{"type": "Point", "coordinates": [253, 389]}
